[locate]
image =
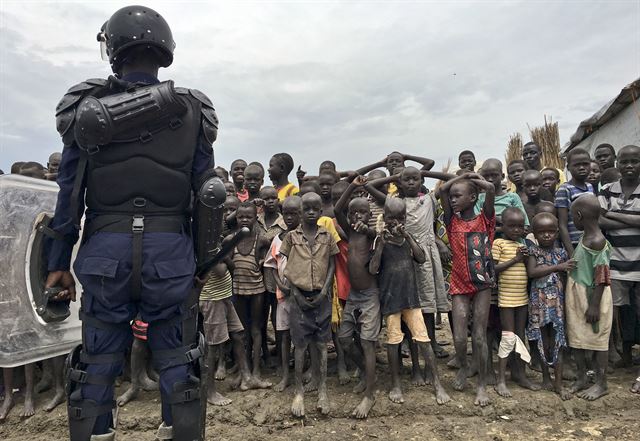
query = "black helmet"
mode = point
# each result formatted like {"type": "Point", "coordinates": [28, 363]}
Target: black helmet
{"type": "Point", "coordinates": [134, 26]}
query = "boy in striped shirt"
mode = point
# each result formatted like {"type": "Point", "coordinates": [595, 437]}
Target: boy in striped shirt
{"type": "Point", "coordinates": [620, 219]}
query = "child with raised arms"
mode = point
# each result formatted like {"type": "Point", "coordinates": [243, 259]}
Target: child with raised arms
{"type": "Point", "coordinates": [470, 236]}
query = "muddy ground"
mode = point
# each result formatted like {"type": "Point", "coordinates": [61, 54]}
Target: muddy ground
{"type": "Point", "coordinates": [265, 414]}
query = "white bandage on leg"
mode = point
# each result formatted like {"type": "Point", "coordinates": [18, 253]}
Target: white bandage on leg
{"type": "Point", "coordinates": [507, 344]}
{"type": "Point", "coordinates": [510, 342]}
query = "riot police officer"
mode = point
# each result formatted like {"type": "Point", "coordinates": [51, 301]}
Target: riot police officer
{"type": "Point", "coordinates": [135, 152]}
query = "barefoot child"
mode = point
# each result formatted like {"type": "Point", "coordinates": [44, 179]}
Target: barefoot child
{"type": "Point", "coordinates": [508, 256]}
{"type": "Point", "coordinates": [472, 278]}
{"type": "Point", "coordinates": [588, 298]}
{"type": "Point", "coordinates": [271, 224]}
{"type": "Point", "coordinates": [248, 283]}
{"type": "Point", "coordinates": [393, 261]}
{"type": "Point", "coordinates": [547, 264]}
{"type": "Point", "coordinates": [276, 263]}
{"type": "Point", "coordinates": [361, 314]}
{"type": "Point", "coordinates": [620, 218]}
{"type": "Point", "coordinates": [310, 267]}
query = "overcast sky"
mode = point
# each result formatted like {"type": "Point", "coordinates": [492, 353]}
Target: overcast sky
{"type": "Point", "coordinates": [347, 81]}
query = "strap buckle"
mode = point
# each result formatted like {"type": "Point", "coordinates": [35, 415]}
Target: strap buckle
{"type": "Point", "coordinates": [93, 149]}
{"type": "Point", "coordinates": [75, 412]}
{"type": "Point", "coordinates": [193, 354]}
{"type": "Point", "coordinates": [145, 137]}
{"type": "Point", "coordinates": [138, 224]}
{"type": "Point", "coordinates": [78, 376]}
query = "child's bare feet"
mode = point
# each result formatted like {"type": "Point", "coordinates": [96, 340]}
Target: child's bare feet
{"type": "Point", "coordinates": [523, 381]}
{"type": "Point", "coordinates": [395, 395]}
{"type": "Point", "coordinates": [441, 395]}
{"type": "Point", "coordinates": [217, 399]}
{"type": "Point", "coordinates": [594, 392]}
{"type": "Point", "coordinates": [547, 384]}
{"type": "Point", "coordinates": [311, 385]}
{"type": "Point", "coordinates": [578, 385]}
{"type": "Point", "coordinates": [253, 382]}
{"type": "Point", "coordinates": [57, 400]}
{"type": "Point", "coordinates": [362, 411]}
{"type": "Point", "coordinates": [343, 376]}
{"type": "Point", "coordinates": [460, 382]}
{"type": "Point", "coordinates": [307, 376]}
{"type": "Point", "coordinates": [565, 394]}
{"type": "Point", "coordinates": [323, 403]}
{"type": "Point", "coordinates": [7, 405]}
{"type": "Point", "coordinates": [417, 379]}
{"type": "Point", "coordinates": [129, 395]}
{"type": "Point", "coordinates": [360, 387]}
{"type": "Point", "coordinates": [502, 389]}
{"type": "Point", "coordinates": [29, 408]}
{"type": "Point", "coordinates": [482, 398]}
{"type": "Point", "coordinates": [297, 407]}
{"type": "Point", "coordinates": [282, 385]}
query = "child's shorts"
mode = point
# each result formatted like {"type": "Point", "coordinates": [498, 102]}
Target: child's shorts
{"type": "Point", "coordinates": [362, 311]}
{"type": "Point", "coordinates": [415, 322]}
{"type": "Point", "coordinates": [312, 325]}
{"type": "Point", "coordinates": [282, 314]}
{"type": "Point", "coordinates": [220, 319]}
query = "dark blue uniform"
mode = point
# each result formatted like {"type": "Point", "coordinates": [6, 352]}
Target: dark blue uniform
{"type": "Point", "coordinates": [104, 265]}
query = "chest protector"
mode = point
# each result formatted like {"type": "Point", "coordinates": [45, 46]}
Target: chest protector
{"type": "Point", "coordinates": [140, 146]}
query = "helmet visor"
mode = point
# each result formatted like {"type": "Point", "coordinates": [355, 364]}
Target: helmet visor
{"type": "Point", "coordinates": [103, 51]}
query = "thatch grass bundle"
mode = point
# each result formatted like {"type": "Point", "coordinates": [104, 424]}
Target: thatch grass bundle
{"type": "Point", "coordinates": [548, 138]}
{"type": "Point", "coordinates": [514, 148]}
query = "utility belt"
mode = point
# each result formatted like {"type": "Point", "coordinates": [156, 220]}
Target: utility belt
{"type": "Point", "coordinates": [136, 223]}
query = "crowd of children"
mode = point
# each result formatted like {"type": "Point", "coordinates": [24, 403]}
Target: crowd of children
{"type": "Point", "coordinates": [545, 274]}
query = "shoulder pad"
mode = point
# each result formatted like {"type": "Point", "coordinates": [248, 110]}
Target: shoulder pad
{"type": "Point", "coordinates": [201, 97]}
{"type": "Point", "coordinates": [209, 124]}
{"type": "Point", "coordinates": [64, 120]}
{"type": "Point", "coordinates": [75, 93]}
{"type": "Point", "coordinates": [89, 84]}
{"type": "Point", "coordinates": [181, 90]}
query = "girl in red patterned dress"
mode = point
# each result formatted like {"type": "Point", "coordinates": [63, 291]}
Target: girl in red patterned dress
{"type": "Point", "coordinates": [472, 277]}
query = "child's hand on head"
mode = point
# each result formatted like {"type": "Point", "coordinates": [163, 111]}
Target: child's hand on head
{"type": "Point", "coordinates": [258, 202]}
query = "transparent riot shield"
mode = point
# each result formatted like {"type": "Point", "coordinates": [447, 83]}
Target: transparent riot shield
{"type": "Point", "coordinates": [32, 328]}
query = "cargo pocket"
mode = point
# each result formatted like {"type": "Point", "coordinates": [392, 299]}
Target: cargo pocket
{"type": "Point", "coordinates": [97, 276]}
